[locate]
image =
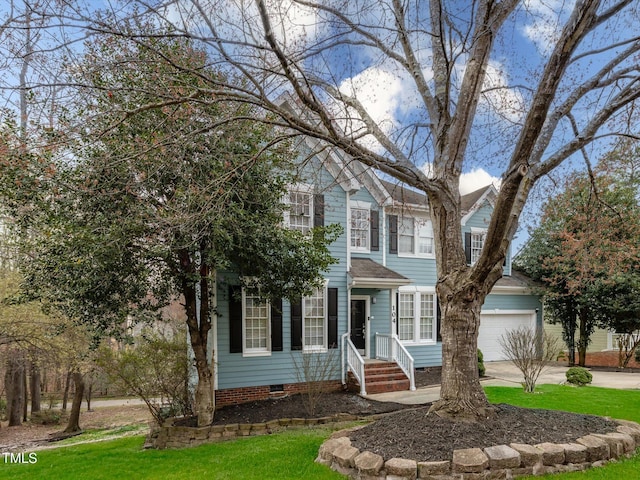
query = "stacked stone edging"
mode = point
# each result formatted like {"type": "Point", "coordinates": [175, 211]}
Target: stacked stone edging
{"type": "Point", "coordinates": [169, 435]}
{"type": "Point", "coordinates": [496, 462]}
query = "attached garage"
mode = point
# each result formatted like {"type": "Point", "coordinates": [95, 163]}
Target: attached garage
{"type": "Point", "coordinates": [494, 323]}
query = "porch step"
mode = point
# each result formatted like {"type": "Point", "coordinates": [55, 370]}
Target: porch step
{"type": "Point", "coordinates": [381, 377]}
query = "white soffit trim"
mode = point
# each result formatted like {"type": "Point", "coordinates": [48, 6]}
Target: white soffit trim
{"type": "Point", "coordinates": [489, 195]}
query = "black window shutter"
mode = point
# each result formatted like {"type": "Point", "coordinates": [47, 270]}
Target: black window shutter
{"type": "Point", "coordinates": [438, 321]}
{"type": "Point", "coordinates": [332, 307]}
{"type": "Point", "coordinates": [467, 247]}
{"type": "Point", "coordinates": [393, 234]}
{"type": "Point", "coordinates": [235, 319]}
{"type": "Point", "coordinates": [375, 230]}
{"type": "Point", "coordinates": [318, 210]}
{"type": "Point", "coordinates": [276, 325]}
{"type": "Point", "coordinates": [296, 325]}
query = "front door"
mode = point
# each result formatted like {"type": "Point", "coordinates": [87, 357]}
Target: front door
{"type": "Point", "coordinates": [358, 323]}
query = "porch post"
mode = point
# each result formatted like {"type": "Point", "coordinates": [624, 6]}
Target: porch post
{"type": "Point", "coordinates": [393, 314]}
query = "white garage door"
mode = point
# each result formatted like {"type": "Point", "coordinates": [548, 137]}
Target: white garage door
{"type": "Point", "coordinates": [493, 325]}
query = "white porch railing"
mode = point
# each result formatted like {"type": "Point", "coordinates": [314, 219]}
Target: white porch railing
{"type": "Point", "coordinates": [389, 348]}
{"type": "Point", "coordinates": [354, 363]}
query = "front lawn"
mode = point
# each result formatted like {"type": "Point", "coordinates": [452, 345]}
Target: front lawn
{"type": "Point", "coordinates": [287, 455]}
{"type": "Point", "coordinates": [291, 454]}
{"type": "Point", "coordinates": [621, 404]}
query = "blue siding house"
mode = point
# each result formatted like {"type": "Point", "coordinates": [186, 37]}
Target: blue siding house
{"type": "Point", "coordinates": [378, 305]}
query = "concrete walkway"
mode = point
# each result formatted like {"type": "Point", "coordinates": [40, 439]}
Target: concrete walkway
{"type": "Point", "coordinates": [506, 374]}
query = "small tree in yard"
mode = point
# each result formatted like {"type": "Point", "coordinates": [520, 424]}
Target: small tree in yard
{"type": "Point", "coordinates": [315, 371]}
{"type": "Point", "coordinates": [530, 352]}
{"type": "Point", "coordinates": [155, 204]}
{"type": "Point", "coordinates": [155, 369]}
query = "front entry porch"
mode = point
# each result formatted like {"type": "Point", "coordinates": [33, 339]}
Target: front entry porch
{"type": "Point", "coordinates": [380, 377]}
{"type": "Point", "coordinates": [393, 369]}
{"type": "Point", "coordinates": [370, 359]}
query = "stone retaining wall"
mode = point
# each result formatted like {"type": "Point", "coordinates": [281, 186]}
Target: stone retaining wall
{"type": "Point", "coordinates": [170, 436]}
{"type": "Point", "coordinates": [497, 462]}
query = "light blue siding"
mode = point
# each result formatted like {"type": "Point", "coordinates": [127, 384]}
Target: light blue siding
{"type": "Point", "coordinates": [235, 370]}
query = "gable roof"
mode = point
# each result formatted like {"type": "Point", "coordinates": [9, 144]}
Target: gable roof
{"type": "Point", "coordinates": [469, 203]}
{"type": "Point", "coordinates": [472, 202]}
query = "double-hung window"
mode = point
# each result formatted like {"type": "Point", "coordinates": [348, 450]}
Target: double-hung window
{"type": "Point", "coordinates": [415, 237]}
{"type": "Point", "coordinates": [300, 212]}
{"type": "Point", "coordinates": [256, 320]}
{"type": "Point", "coordinates": [314, 325]}
{"type": "Point", "coordinates": [417, 315]}
{"type": "Point", "coordinates": [360, 227]}
{"type": "Point", "coordinates": [406, 232]}
{"type": "Point", "coordinates": [477, 242]}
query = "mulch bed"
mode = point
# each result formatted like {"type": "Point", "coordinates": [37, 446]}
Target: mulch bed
{"type": "Point", "coordinates": [414, 434]}
{"type": "Point", "coordinates": [408, 431]}
{"type": "Point", "coordinates": [330, 404]}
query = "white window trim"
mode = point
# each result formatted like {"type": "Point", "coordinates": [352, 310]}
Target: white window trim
{"type": "Point", "coordinates": [297, 188]}
{"type": "Point", "coordinates": [266, 352]}
{"type": "Point", "coordinates": [325, 325]}
{"type": "Point", "coordinates": [416, 240]}
{"type": "Point", "coordinates": [477, 231]}
{"type": "Point", "coordinates": [417, 291]}
{"type": "Point", "coordinates": [360, 205]}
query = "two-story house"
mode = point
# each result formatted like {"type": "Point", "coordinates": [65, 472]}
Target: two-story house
{"type": "Point", "coordinates": [377, 302]}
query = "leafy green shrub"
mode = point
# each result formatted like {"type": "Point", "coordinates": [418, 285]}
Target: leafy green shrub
{"type": "Point", "coordinates": [578, 376]}
{"type": "Point", "coordinates": [481, 369]}
{"type": "Point", "coordinates": [637, 355]}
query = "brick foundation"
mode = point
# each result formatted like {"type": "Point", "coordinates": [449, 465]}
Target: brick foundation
{"type": "Point", "coordinates": [236, 396]}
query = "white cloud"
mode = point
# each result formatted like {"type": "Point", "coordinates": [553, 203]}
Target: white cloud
{"type": "Point", "coordinates": [505, 102]}
{"type": "Point", "coordinates": [475, 179]}
{"type": "Point", "coordinates": [471, 181]}
{"type": "Point", "coordinates": [546, 21]}
{"type": "Point", "coordinates": [382, 93]}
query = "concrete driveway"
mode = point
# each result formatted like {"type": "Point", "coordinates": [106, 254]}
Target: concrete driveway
{"type": "Point", "coordinates": [506, 374]}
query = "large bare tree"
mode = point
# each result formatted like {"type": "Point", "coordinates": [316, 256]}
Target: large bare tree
{"type": "Point", "coordinates": [450, 66]}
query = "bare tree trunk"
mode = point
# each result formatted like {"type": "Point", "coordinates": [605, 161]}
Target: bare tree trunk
{"type": "Point", "coordinates": [583, 341]}
{"type": "Point", "coordinates": [461, 396]}
{"type": "Point", "coordinates": [25, 390]}
{"type": "Point", "coordinates": [87, 395]}
{"type": "Point", "coordinates": [197, 300]}
{"type": "Point", "coordinates": [65, 396]}
{"type": "Point", "coordinates": [74, 417]}
{"type": "Point", "coordinates": [35, 388]}
{"type": "Point", "coordinates": [14, 385]}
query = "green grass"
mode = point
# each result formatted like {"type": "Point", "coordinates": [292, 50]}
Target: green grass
{"type": "Point", "coordinates": [287, 455]}
{"type": "Point", "coordinates": [95, 434]}
{"type": "Point", "coordinates": [291, 454]}
{"type": "Point", "coordinates": [621, 404]}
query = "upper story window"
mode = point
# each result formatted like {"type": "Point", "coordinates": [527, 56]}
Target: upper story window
{"type": "Point", "coordinates": [476, 241]}
{"type": "Point", "coordinates": [304, 208]}
{"type": "Point", "coordinates": [360, 226]}
{"type": "Point", "coordinates": [300, 211]}
{"type": "Point", "coordinates": [415, 237]}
